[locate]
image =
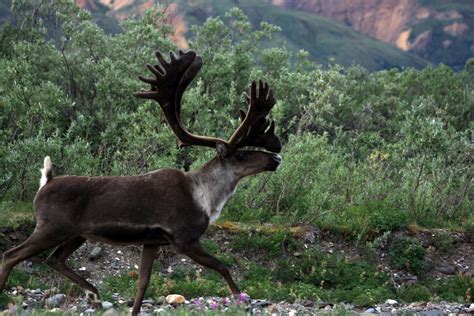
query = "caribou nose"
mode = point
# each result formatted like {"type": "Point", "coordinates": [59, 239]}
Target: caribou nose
{"type": "Point", "coordinates": [277, 158]}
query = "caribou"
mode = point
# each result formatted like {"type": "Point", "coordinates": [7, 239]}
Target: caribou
{"type": "Point", "coordinates": [162, 207]}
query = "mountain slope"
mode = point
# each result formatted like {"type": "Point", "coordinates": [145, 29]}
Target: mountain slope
{"type": "Point", "coordinates": [439, 30]}
{"type": "Point", "coordinates": [321, 37]}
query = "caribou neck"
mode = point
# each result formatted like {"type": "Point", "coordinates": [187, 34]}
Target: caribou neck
{"type": "Point", "coordinates": [213, 185]}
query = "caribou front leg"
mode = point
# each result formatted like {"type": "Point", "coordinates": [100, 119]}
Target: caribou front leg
{"type": "Point", "coordinates": [195, 251]}
{"type": "Point", "coordinates": [146, 264]}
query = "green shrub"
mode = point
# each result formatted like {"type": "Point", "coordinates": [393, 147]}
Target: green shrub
{"type": "Point", "coordinates": [414, 293]}
{"type": "Point", "coordinates": [407, 254]}
{"type": "Point", "coordinates": [444, 241]}
{"type": "Point", "coordinates": [454, 289]}
{"type": "Point", "coordinates": [272, 243]}
{"type": "Point", "coordinates": [367, 221]}
{"type": "Point", "coordinates": [16, 215]}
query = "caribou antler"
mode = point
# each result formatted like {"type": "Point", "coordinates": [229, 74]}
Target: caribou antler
{"type": "Point", "coordinates": [255, 129]}
{"type": "Point", "coordinates": [167, 89]}
{"type": "Point", "coordinates": [172, 79]}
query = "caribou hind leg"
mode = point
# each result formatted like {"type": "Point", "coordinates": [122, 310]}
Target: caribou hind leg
{"type": "Point", "coordinates": [57, 260]}
{"type": "Point", "coordinates": [38, 242]}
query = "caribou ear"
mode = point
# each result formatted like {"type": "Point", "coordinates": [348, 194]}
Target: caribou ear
{"type": "Point", "coordinates": [222, 150]}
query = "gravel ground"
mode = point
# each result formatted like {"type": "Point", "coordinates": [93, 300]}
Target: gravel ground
{"type": "Point", "coordinates": [50, 300]}
{"type": "Point", "coordinates": [97, 261]}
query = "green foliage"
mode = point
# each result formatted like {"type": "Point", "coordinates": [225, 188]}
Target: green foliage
{"type": "Point", "coordinates": [368, 221]}
{"type": "Point", "coordinates": [4, 300]}
{"type": "Point", "coordinates": [407, 254]}
{"type": "Point", "coordinates": [273, 243]}
{"type": "Point", "coordinates": [16, 215]}
{"type": "Point", "coordinates": [443, 241]}
{"type": "Point", "coordinates": [414, 293]}
{"type": "Point", "coordinates": [222, 255]}
{"type": "Point", "coordinates": [454, 289]}
{"type": "Point", "coordinates": [19, 277]}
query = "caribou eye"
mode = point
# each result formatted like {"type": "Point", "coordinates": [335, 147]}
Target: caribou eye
{"type": "Point", "coordinates": [241, 156]}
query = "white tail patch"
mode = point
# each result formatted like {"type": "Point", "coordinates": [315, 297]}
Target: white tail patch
{"type": "Point", "coordinates": [46, 172]}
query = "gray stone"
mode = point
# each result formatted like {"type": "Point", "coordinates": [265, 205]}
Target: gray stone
{"type": "Point", "coordinates": [432, 312]}
{"type": "Point", "coordinates": [95, 253]}
{"type": "Point", "coordinates": [111, 312]}
{"type": "Point", "coordinates": [107, 305]}
{"type": "Point", "coordinates": [115, 264]}
{"type": "Point", "coordinates": [28, 270]}
{"type": "Point", "coordinates": [370, 311]}
{"type": "Point", "coordinates": [305, 303]}
{"type": "Point", "coordinates": [55, 300]}
{"type": "Point", "coordinates": [262, 303]}
{"type": "Point", "coordinates": [73, 309]}
{"type": "Point", "coordinates": [159, 310]}
{"type": "Point", "coordinates": [446, 269]}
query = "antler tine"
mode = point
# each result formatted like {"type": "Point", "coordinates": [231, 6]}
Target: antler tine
{"type": "Point", "coordinates": [262, 134]}
{"type": "Point", "coordinates": [167, 88]}
{"type": "Point", "coordinates": [253, 128]}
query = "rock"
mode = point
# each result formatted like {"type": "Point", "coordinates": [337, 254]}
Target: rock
{"type": "Point", "coordinates": [55, 300]}
{"type": "Point", "coordinates": [391, 302]}
{"type": "Point", "coordinates": [446, 269]}
{"type": "Point", "coordinates": [55, 310]}
{"type": "Point", "coordinates": [262, 303]}
{"type": "Point", "coordinates": [471, 308]}
{"type": "Point", "coordinates": [292, 312]}
{"type": "Point", "coordinates": [305, 303]}
{"type": "Point", "coordinates": [115, 264]}
{"type": "Point", "coordinates": [370, 311]}
{"type": "Point", "coordinates": [148, 301]}
{"type": "Point", "coordinates": [89, 311]}
{"type": "Point", "coordinates": [159, 310]}
{"type": "Point", "coordinates": [111, 312]}
{"type": "Point", "coordinates": [95, 253]}
{"type": "Point", "coordinates": [432, 312]}
{"type": "Point", "coordinates": [28, 270]}
{"type": "Point", "coordinates": [175, 299]}
{"type": "Point", "coordinates": [107, 305]}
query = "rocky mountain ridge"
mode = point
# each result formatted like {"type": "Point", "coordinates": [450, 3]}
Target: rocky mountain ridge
{"type": "Point", "coordinates": [439, 31]}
